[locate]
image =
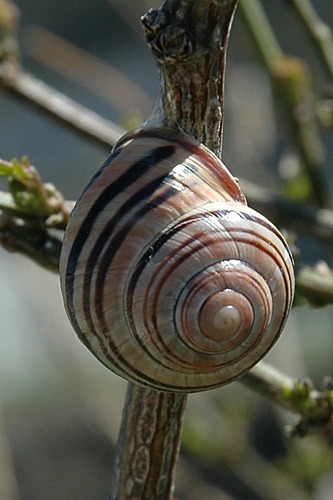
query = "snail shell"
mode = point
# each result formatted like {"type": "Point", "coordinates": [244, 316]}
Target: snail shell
{"type": "Point", "coordinates": [168, 277]}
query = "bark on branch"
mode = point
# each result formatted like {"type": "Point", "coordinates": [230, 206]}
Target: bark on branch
{"type": "Point", "coordinates": [189, 40]}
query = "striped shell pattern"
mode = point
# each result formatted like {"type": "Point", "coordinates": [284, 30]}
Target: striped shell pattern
{"type": "Point", "coordinates": [168, 277]}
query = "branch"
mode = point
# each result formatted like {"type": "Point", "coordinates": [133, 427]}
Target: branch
{"type": "Point", "coordinates": [191, 55]}
{"type": "Point", "coordinates": [314, 285]}
{"type": "Point", "coordinates": [305, 219]}
{"type": "Point", "coordinates": [148, 446]}
{"type": "Point", "coordinates": [189, 41]}
{"type": "Point", "coordinates": [86, 70]}
{"type": "Point", "coordinates": [32, 210]}
{"type": "Point", "coordinates": [292, 82]}
{"type": "Point", "coordinates": [60, 107]}
{"type": "Point", "coordinates": [320, 32]}
{"type": "Point", "coordinates": [300, 397]}
{"type": "Point", "coordinates": [31, 240]}
{"type": "Point", "coordinates": [54, 104]}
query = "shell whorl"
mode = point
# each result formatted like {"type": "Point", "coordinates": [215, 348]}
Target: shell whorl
{"type": "Point", "coordinates": [168, 277]}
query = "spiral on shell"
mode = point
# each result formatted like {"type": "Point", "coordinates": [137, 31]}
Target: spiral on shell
{"type": "Point", "coordinates": [168, 277]}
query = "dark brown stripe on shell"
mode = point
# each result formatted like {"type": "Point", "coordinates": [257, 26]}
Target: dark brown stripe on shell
{"type": "Point", "coordinates": [129, 177]}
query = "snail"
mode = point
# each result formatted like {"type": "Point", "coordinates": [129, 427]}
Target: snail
{"type": "Point", "coordinates": [168, 277]}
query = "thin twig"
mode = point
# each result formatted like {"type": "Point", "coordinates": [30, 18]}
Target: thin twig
{"type": "Point", "coordinates": [24, 226]}
{"type": "Point", "coordinates": [15, 80]}
{"type": "Point", "coordinates": [292, 82]}
{"type": "Point", "coordinates": [319, 31]}
{"type": "Point", "coordinates": [300, 397]}
{"type": "Point", "coordinates": [30, 237]}
{"type": "Point", "coordinates": [31, 240]}
{"type": "Point", "coordinates": [86, 70]}
{"type": "Point", "coordinates": [261, 32]}
{"type": "Point", "coordinates": [314, 285]}
{"type": "Point", "coordinates": [316, 223]}
{"type": "Point", "coordinates": [273, 384]}
{"type": "Point", "coordinates": [60, 107]}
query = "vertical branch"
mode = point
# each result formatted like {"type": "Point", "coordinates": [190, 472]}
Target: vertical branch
{"type": "Point", "coordinates": [189, 40]}
{"type": "Point", "coordinates": [148, 446]}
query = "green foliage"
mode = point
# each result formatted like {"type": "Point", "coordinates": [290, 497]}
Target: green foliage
{"type": "Point", "coordinates": [28, 193]}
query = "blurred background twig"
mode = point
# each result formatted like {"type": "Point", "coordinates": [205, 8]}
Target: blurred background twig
{"type": "Point", "coordinates": [292, 80]}
{"type": "Point", "coordinates": [320, 32]}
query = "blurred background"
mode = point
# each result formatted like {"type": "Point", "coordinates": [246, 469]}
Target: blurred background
{"type": "Point", "coordinates": [59, 408]}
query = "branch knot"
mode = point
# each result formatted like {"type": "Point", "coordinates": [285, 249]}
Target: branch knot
{"type": "Point", "coordinates": [168, 40]}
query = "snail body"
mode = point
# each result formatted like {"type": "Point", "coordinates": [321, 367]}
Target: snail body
{"type": "Point", "coordinates": [168, 277]}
